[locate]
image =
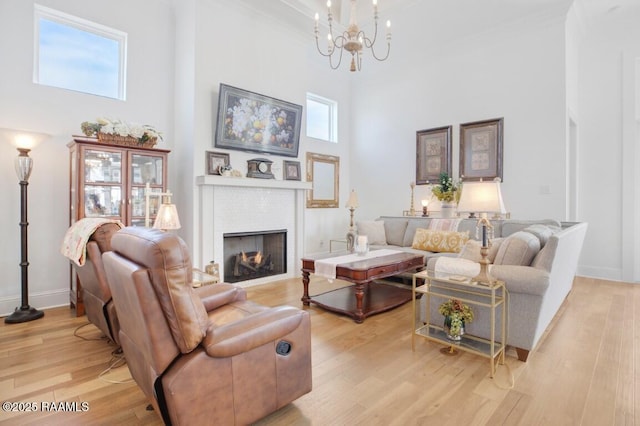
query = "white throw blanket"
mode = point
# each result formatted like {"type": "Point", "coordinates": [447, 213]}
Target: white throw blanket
{"type": "Point", "coordinates": [457, 266]}
{"type": "Point", "coordinates": [74, 245]}
{"type": "Point", "coordinates": [327, 267]}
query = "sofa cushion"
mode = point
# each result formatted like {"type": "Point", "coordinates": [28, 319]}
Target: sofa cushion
{"type": "Point", "coordinates": [444, 224]}
{"type": "Point", "coordinates": [471, 250]}
{"type": "Point", "coordinates": [394, 230]}
{"type": "Point", "coordinates": [411, 230]}
{"type": "Point", "coordinates": [374, 230]}
{"type": "Point", "coordinates": [543, 233]}
{"type": "Point", "coordinates": [518, 249]}
{"type": "Point", "coordinates": [439, 241]}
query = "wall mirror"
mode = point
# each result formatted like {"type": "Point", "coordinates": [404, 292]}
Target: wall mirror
{"type": "Point", "coordinates": [323, 173]}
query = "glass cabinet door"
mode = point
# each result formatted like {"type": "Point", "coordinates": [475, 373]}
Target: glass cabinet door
{"type": "Point", "coordinates": [146, 169]}
{"type": "Point", "coordinates": [102, 183]}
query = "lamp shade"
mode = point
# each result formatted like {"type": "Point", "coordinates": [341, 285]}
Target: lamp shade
{"type": "Point", "coordinates": [481, 197]}
{"type": "Point", "coordinates": [352, 202]}
{"type": "Point", "coordinates": [23, 165]}
{"type": "Point", "coordinates": [167, 217]}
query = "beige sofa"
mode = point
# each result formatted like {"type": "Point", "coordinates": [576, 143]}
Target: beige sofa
{"type": "Point", "coordinates": [537, 288]}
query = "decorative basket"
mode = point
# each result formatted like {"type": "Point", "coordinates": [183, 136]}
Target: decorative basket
{"type": "Point", "coordinates": [112, 139]}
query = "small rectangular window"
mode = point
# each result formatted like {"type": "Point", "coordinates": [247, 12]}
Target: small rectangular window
{"type": "Point", "coordinates": [322, 118]}
{"type": "Point", "coordinates": [76, 54]}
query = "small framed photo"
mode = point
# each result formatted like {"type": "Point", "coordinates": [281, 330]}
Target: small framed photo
{"type": "Point", "coordinates": [481, 150]}
{"type": "Point", "coordinates": [433, 154]}
{"type": "Point", "coordinates": [215, 160]}
{"type": "Point", "coordinates": [291, 170]}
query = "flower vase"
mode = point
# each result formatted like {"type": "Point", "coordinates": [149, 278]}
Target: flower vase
{"type": "Point", "coordinates": [451, 332]}
{"type": "Point", "coordinates": [447, 209]}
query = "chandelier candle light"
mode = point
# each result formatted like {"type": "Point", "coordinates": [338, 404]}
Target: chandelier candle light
{"type": "Point", "coordinates": [352, 40]}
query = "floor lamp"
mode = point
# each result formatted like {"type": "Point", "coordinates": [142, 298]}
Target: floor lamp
{"type": "Point", "coordinates": [24, 313]}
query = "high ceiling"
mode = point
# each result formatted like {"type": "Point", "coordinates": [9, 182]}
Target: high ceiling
{"type": "Point", "coordinates": [456, 19]}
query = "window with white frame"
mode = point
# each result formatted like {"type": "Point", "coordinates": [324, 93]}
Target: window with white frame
{"type": "Point", "coordinates": [322, 118]}
{"type": "Point", "coordinates": [77, 54]}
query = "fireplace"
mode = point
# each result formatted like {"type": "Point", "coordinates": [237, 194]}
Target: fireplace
{"type": "Point", "coordinates": [251, 255]}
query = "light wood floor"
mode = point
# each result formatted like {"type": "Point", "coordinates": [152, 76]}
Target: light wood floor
{"type": "Point", "coordinates": [586, 370]}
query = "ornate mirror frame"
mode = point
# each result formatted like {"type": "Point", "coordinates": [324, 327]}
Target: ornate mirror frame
{"type": "Point", "coordinates": [323, 171]}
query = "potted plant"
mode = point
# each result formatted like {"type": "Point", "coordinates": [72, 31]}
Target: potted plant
{"type": "Point", "coordinates": [456, 315]}
{"type": "Point", "coordinates": [448, 193]}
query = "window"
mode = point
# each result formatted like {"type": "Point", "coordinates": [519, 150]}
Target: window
{"type": "Point", "coordinates": [76, 54]}
{"type": "Point", "coordinates": [322, 118]}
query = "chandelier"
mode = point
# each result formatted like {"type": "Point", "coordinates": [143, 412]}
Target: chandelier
{"type": "Point", "coordinates": [352, 40]}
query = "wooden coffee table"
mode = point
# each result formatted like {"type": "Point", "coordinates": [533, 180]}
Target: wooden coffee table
{"type": "Point", "coordinates": [365, 297]}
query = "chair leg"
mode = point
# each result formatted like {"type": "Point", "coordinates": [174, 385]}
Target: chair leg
{"type": "Point", "coordinates": [523, 354]}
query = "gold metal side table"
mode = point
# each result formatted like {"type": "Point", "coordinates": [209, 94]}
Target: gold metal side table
{"type": "Point", "coordinates": [472, 293]}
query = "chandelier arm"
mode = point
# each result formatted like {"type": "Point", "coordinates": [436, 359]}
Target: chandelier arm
{"type": "Point", "coordinates": [339, 60]}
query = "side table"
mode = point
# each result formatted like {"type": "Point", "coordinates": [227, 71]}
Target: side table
{"type": "Point", "coordinates": [472, 293]}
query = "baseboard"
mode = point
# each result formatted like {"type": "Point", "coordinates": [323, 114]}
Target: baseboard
{"type": "Point", "coordinates": [44, 300]}
{"type": "Point", "coordinates": [611, 274]}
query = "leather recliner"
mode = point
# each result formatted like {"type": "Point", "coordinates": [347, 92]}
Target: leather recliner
{"type": "Point", "coordinates": [202, 355]}
{"type": "Point", "coordinates": [96, 294]}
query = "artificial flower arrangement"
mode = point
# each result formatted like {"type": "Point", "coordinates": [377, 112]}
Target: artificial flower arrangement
{"type": "Point", "coordinates": [458, 314]}
{"type": "Point", "coordinates": [447, 189]}
{"type": "Point", "coordinates": [143, 133]}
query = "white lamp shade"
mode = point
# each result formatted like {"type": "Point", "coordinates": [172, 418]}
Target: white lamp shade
{"type": "Point", "coordinates": [167, 217]}
{"type": "Point", "coordinates": [352, 202]}
{"type": "Point", "coordinates": [481, 197]}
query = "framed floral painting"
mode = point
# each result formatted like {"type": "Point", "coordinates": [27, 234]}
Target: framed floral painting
{"type": "Point", "coordinates": [248, 121]}
{"type": "Point", "coordinates": [481, 150]}
{"type": "Point", "coordinates": [433, 154]}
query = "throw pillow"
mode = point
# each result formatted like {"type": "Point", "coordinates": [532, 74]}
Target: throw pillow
{"type": "Point", "coordinates": [394, 229]}
{"type": "Point", "coordinates": [444, 224]}
{"type": "Point", "coordinates": [439, 241]}
{"type": "Point", "coordinates": [471, 250]}
{"type": "Point", "coordinates": [543, 233]}
{"type": "Point", "coordinates": [374, 230]}
{"type": "Point", "coordinates": [518, 249]}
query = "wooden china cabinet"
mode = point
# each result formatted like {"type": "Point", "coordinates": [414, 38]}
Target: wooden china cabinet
{"type": "Point", "coordinates": [109, 181]}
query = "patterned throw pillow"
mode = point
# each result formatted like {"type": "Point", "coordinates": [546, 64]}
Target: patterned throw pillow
{"type": "Point", "coordinates": [439, 241]}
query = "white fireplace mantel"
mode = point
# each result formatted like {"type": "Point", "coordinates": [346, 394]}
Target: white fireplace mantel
{"type": "Point", "coordinates": [251, 182]}
{"type": "Point", "coordinates": [230, 204]}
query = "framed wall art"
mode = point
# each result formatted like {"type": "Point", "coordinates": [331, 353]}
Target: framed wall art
{"type": "Point", "coordinates": [481, 150]}
{"type": "Point", "coordinates": [248, 121]}
{"type": "Point", "coordinates": [291, 170]}
{"type": "Point", "coordinates": [215, 160]}
{"type": "Point", "coordinates": [433, 154]}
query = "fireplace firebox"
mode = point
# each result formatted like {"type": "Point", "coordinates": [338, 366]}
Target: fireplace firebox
{"type": "Point", "coordinates": [251, 255]}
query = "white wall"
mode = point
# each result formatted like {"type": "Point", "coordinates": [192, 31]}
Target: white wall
{"type": "Point", "coordinates": [609, 141]}
{"type": "Point", "coordinates": [58, 113]}
{"type": "Point", "coordinates": [515, 73]}
{"type": "Point", "coordinates": [258, 52]}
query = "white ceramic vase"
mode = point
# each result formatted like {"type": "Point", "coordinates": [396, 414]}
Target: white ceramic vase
{"type": "Point", "coordinates": [448, 209]}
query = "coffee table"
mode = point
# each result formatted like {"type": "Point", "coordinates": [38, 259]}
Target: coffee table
{"type": "Point", "coordinates": [365, 297]}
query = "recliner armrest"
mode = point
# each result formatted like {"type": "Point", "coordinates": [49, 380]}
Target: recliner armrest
{"type": "Point", "coordinates": [215, 295]}
{"type": "Point", "coordinates": [251, 332]}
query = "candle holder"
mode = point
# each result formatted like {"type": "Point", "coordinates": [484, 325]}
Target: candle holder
{"type": "Point", "coordinates": [412, 210]}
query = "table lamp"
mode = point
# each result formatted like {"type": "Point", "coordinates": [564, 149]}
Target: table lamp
{"type": "Point", "coordinates": [352, 204]}
{"type": "Point", "coordinates": [482, 197]}
{"type": "Point", "coordinates": [167, 217]}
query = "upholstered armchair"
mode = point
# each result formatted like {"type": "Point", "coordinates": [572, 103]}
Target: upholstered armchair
{"type": "Point", "coordinates": [96, 293]}
{"type": "Point", "coordinates": [205, 355]}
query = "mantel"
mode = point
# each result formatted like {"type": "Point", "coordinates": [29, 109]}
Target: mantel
{"type": "Point", "coordinates": [251, 182]}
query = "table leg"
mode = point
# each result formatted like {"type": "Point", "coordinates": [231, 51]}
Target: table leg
{"type": "Point", "coordinates": [305, 284]}
{"type": "Point", "coordinates": [359, 315]}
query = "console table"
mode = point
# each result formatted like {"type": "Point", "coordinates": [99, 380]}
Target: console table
{"type": "Point", "coordinates": [365, 297]}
